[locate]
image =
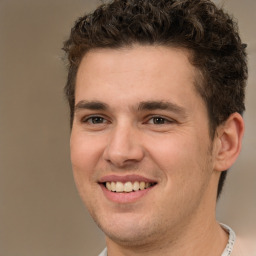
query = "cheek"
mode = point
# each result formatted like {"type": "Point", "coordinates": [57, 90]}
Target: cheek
{"type": "Point", "coordinates": [181, 158]}
{"type": "Point", "coordinates": [172, 151]}
{"type": "Point", "coordinates": [85, 154]}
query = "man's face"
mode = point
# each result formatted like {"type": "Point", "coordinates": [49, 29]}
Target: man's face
{"type": "Point", "coordinates": [139, 122]}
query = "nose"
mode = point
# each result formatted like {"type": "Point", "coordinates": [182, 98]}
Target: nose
{"type": "Point", "coordinates": [124, 147]}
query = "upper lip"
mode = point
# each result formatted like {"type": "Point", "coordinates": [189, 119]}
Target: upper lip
{"type": "Point", "coordinates": [125, 178]}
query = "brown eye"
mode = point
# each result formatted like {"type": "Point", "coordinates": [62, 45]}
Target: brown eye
{"type": "Point", "coordinates": [95, 120]}
{"type": "Point", "coordinates": [158, 120]}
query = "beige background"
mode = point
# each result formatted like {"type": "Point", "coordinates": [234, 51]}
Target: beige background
{"type": "Point", "coordinates": [40, 211]}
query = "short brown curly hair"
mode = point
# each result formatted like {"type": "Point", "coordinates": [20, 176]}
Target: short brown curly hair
{"type": "Point", "coordinates": [208, 32]}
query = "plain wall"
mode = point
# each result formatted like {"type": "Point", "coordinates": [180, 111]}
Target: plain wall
{"type": "Point", "coordinates": [41, 213]}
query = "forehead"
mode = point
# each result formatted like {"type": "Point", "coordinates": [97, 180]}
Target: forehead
{"type": "Point", "coordinates": [138, 72]}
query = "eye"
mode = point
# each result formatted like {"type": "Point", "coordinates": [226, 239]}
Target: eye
{"type": "Point", "coordinates": [94, 120]}
{"type": "Point", "coordinates": [158, 120]}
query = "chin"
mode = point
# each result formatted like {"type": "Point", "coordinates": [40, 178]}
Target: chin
{"type": "Point", "coordinates": [131, 238]}
{"type": "Point", "coordinates": [129, 232]}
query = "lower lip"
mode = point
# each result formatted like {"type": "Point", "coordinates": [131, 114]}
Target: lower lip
{"type": "Point", "coordinates": [123, 198]}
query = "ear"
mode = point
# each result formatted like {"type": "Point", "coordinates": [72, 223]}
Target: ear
{"type": "Point", "coordinates": [228, 142]}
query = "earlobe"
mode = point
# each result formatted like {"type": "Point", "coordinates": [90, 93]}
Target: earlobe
{"type": "Point", "coordinates": [229, 141]}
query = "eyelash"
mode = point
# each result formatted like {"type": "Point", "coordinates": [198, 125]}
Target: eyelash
{"type": "Point", "coordinates": [90, 119]}
{"type": "Point", "coordinates": [160, 118]}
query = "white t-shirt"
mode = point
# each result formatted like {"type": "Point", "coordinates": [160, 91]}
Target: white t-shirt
{"type": "Point", "coordinates": [104, 252]}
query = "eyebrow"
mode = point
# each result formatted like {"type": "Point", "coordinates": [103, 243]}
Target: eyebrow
{"type": "Point", "coordinates": [143, 106]}
{"type": "Point", "coordinates": [162, 105]}
{"type": "Point", "coordinates": [91, 105]}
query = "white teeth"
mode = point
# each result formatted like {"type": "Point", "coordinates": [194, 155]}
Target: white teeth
{"type": "Point", "coordinates": [113, 186]}
{"type": "Point", "coordinates": [119, 187]}
{"type": "Point", "coordinates": [108, 185]}
{"type": "Point", "coordinates": [142, 185]}
{"type": "Point", "coordinates": [136, 186]}
{"type": "Point", "coordinates": [127, 186]}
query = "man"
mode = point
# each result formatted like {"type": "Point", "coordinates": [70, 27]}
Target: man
{"type": "Point", "coordinates": [156, 93]}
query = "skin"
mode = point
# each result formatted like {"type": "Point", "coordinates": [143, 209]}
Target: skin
{"type": "Point", "coordinates": [118, 131]}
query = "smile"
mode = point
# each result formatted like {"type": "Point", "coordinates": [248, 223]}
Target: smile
{"type": "Point", "coordinates": [127, 187]}
{"type": "Point", "coordinates": [123, 189]}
